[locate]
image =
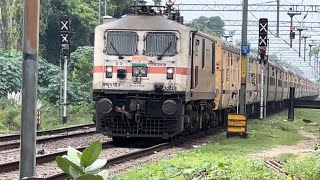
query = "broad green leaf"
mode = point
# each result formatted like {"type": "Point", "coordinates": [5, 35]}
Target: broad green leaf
{"type": "Point", "coordinates": [99, 163]}
{"type": "Point", "coordinates": [74, 172]}
{"type": "Point", "coordinates": [63, 164]}
{"type": "Point", "coordinates": [68, 163]}
{"type": "Point", "coordinates": [104, 174]}
{"type": "Point", "coordinates": [91, 153]}
{"type": "Point", "coordinates": [89, 177]}
{"type": "Point", "coordinates": [73, 155]}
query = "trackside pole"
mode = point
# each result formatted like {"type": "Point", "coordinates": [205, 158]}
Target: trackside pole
{"type": "Point", "coordinates": [291, 104]}
{"type": "Point", "coordinates": [65, 81]}
{"type": "Point", "coordinates": [263, 43]}
{"type": "Point", "coordinates": [29, 88]}
{"type": "Point", "coordinates": [242, 94]}
{"type": "Point", "coordinates": [64, 58]}
{"type": "Point", "coordinates": [262, 91]}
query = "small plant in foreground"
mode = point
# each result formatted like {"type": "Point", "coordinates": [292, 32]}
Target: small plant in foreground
{"type": "Point", "coordinates": [84, 166]}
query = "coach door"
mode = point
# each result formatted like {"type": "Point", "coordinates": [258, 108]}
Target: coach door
{"type": "Point", "coordinates": [194, 53]}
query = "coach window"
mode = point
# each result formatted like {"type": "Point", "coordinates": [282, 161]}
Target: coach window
{"type": "Point", "coordinates": [213, 58]}
{"type": "Point", "coordinates": [197, 47]}
{"type": "Point", "coordinates": [203, 52]}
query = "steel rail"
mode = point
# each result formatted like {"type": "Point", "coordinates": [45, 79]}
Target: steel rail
{"type": "Point", "coordinates": [40, 141]}
{"type": "Point", "coordinates": [142, 153]}
{"type": "Point", "coordinates": [14, 165]}
{"type": "Point", "coordinates": [46, 132]}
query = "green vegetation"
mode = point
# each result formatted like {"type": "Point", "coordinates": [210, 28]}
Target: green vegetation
{"type": "Point", "coordinates": [10, 116]}
{"type": "Point", "coordinates": [196, 165]}
{"type": "Point", "coordinates": [307, 167]}
{"type": "Point", "coordinates": [232, 158]}
{"type": "Point", "coordinates": [83, 166]}
{"type": "Point", "coordinates": [213, 25]}
{"type": "Point", "coordinates": [80, 78]}
{"type": "Point", "coordinates": [80, 110]}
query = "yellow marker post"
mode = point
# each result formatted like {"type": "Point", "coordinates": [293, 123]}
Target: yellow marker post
{"type": "Point", "coordinates": [237, 125]}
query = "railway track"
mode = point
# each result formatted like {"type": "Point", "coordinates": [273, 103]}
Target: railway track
{"type": "Point", "coordinates": [47, 132]}
{"type": "Point", "coordinates": [14, 165]}
{"type": "Point", "coordinates": [142, 153]}
{"type": "Point", "coordinates": [14, 145]}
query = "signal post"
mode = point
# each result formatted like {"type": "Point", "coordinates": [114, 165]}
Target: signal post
{"type": "Point", "coordinates": [263, 43]}
{"type": "Point", "coordinates": [64, 58]}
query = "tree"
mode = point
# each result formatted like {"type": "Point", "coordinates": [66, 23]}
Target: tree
{"type": "Point", "coordinates": [213, 25]}
{"type": "Point", "coordinates": [11, 13]}
{"type": "Point", "coordinates": [157, 2]}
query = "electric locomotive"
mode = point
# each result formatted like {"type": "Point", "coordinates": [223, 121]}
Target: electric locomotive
{"type": "Point", "coordinates": [155, 77]}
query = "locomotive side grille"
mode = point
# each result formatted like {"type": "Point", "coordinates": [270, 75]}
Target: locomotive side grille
{"type": "Point", "coordinates": [152, 126]}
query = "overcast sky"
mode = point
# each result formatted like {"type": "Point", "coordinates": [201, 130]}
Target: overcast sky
{"type": "Point", "coordinates": [286, 54]}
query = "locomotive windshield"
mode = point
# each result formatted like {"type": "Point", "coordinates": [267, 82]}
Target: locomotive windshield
{"type": "Point", "coordinates": [161, 44]}
{"type": "Point", "coordinates": [121, 43]}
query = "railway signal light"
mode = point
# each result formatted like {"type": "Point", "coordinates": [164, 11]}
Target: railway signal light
{"type": "Point", "coordinates": [263, 38]}
{"type": "Point", "coordinates": [65, 36]}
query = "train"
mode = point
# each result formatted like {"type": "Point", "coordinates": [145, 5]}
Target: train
{"type": "Point", "coordinates": [155, 77]}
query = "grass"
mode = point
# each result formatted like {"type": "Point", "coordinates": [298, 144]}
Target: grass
{"type": "Point", "coordinates": [229, 158]}
{"type": "Point", "coordinates": [10, 116]}
{"type": "Point", "coordinates": [80, 114]}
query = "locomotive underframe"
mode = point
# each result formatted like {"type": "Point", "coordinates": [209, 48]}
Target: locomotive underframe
{"type": "Point", "coordinates": [139, 114]}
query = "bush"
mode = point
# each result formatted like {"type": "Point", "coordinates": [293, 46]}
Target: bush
{"type": "Point", "coordinates": [79, 83]}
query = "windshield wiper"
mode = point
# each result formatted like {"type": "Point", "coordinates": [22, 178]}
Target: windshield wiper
{"type": "Point", "coordinates": [115, 49]}
{"type": "Point", "coordinates": [169, 45]}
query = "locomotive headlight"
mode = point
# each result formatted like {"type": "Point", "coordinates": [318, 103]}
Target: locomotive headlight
{"type": "Point", "coordinates": [170, 72]}
{"type": "Point", "coordinates": [109, 69]}
{"type": "Point", "coordinates": [109, 72]}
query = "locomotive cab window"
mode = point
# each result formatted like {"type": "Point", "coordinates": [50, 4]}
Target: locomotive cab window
{"type": "Point", "coordinates": [121, 43]}
{"type": "Point", "coordinates": [161, 44]}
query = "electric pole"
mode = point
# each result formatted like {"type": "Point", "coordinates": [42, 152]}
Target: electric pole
{"type": "Point", "coordinates": [300, 29]}
{"type": "Point", "coordinates": [29, 88]}
{"type": "Point", "coordinates": [105, 7]}
{"type": "Point", "coordinates": [243, 57]}
{"type": "Point", "coordinates": [305, 47]}
{"type": "Point", "coordinates": [292, 34]}
{"type": "Point", "coordinates": [278, 16]}
{"type": "Point", "coordinates": [99, 16]}
{"type": "Point", "coordinates": [310, 46]}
